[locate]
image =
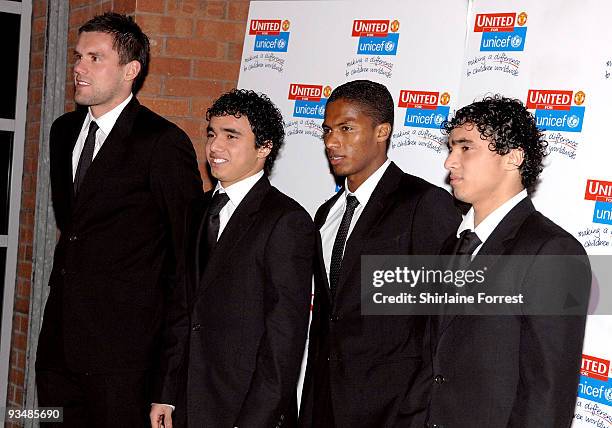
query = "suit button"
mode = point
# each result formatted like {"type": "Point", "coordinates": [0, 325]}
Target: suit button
{"type": "Point", "coordinates": [73, 238]}
{"type": "Point", "coordinates": [334, 318]}
{"type": "Point", "coordinates": [62, 271]}
{"type": "Point", "coordinates": [196, 326]}
{"type": "Point", "coordinates": [439, 379]}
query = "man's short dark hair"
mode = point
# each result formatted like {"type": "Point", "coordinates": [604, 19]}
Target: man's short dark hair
{"type": "Point", "coordinates": [374, 99]}
{"type": "Point", "coordinates": [264, 117]}
{"type": "Point", "coordinates": [509, 125]}
{"type": "Point", "coordinates": [128, 40]}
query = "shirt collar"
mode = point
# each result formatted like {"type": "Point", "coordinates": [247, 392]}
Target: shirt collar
{"type": "Point", "coordinates": [107, 121]}
{"type": "Point", "coordinates": [488, 225]}
{"type": "Point", "coordinates": [237, 191]}
{"type": "Point", "coordinates": [366, 189]}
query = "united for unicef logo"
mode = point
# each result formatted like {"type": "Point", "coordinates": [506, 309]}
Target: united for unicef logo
{"type": "Point", "coordinates": [573, 121]}
{"type": "Point", "coordinates": [516, 41]}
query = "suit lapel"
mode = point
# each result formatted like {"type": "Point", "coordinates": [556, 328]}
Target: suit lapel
{"type": "Point", "coordinates": [72, 135]}
{"type": "Point", "coordinates": [374, 210]}
{"type": "Point", "coordinates": [319, 221]}
{"type": "Point", "coordinates": [236, 229]}
{"type": "Point", "coordinates": [111, 151]}
{"type": "Point", "coordinates": [497, 244]}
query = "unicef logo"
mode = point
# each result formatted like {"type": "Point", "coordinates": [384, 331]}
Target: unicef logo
{"type": "Point", "coordinates": [439, 119]}
{"type": "Point", "coordinates": [389, 46]}
{"type": "Point", "coordinates": [516, 41]}
{"type": "Point", "coordinates": [282, 43]}
{"type": "Point", "coordinates": [573, 121]}
{"type": "Point", "coordinates": [608, 394]}
{"type": "Point", "coordinates": [321, 110]}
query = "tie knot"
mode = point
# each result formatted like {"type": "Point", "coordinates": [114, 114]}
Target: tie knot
{"type": "Point", "coordinates": [351, 203]}
{"type": "Point", "coordinates": [218, 202]}
{"type": "Point", "coordinates": [93, 127]}
{"type": "Point", "coordinates": [468, 242]}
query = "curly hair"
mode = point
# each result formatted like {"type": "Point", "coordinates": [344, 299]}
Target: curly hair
{"type": "Point", "coordinates": [509, 125]}
{"type": "Point", "coordinates": [128, 40]}
{"type": "Point", "coordinates": [374, 98]}
{"type": "Point", "coordinates": [264, 117]}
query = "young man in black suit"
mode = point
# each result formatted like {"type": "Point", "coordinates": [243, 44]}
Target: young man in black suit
{"type": "Point", "coordinates": [361, 369]}
{"type": "Point", "coordinates": [511, 370]}
{"type": "Point", "coordinates": [237, 332]}
{"type": "Point", "coordinates": [121, 177]}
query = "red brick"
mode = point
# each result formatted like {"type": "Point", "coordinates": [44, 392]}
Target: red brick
{"type": "Point", "coordinates": [156, 46]}
{"type": "Point", "coordinates": [216, 9]}
{"type": "Point", "coordinates": [79, 16]}
{"type": "Point", "coordinates": [152, 85]}
{"type": "Point", "coordinates": [238, 10]}
{"type": "Point", "coordinates": [184, 7]}
{"type": "Point", "coordinates": [194, 127]}
{"type": "Point", "coordinates": [199, 105]}
{"type": "Point", "coordinates": [39, 25]}
{"type": "Point", "coordinates": [19, 340]}
{"type": "Point", "coordinates": [153, 6]}
{"type": "Point", "coordinates": [234, 51]}
{"type": "Point", "coordinates": [39, 8]}
{"type": "Point", "coordinates": [36, 60]}
{"type": "Point", "coordinates": [191, 87]}
{"type": "Point", "coordinates": [193, 48]}
{"type": "Point", "coordinates": [170, 66]}
{"type": "Point", "coordinates": [127, 7]}
{"type": "Point", "coordinates": [168, 107]}
{"type": "Point", "coordinates": [217, 70]}
{"type": "Point", "coordinates": [220, 31]}
{"type": "Point", "coordinates": [163, 25]}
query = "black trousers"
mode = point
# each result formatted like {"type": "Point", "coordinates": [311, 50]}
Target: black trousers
{"type": "Point", "coordinates": [96, 400]}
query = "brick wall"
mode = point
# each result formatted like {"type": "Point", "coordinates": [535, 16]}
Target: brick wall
{"type": "Point", "coordinates": [15, 394]}
{"type": "Point", "coordinates": [196, 47]}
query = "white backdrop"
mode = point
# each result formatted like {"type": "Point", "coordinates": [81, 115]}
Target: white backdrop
{"type": "Point", "coordinates": [434, 57]}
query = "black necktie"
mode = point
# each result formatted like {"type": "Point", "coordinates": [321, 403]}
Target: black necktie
{"type": "Point", "coordinates": [212, 219]}
{"type": "Point", "coordinates": [468, 242]}
{"type": "Point", "coordinates": [466, 245]}
{"type": "Point", "coordinates": [86, 156]}
{"type": "Point", "coordinates": [335, 265]}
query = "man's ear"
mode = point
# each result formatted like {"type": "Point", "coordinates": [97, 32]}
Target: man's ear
{"type": "Point", "coordinates": [132, 69]}
{"type": "Point", "coordinates": [383, 132]}
{"type": "Point", "coordinates": [264, 150]}
{"type": "Point", "coordinates": [515, 158]}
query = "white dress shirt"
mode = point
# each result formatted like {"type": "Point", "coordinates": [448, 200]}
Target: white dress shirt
{"type": "Point", "coordinates": [106, 122]}
{"type": "Point", "coordinates": [236, 193]}
{"type": "Point", "coordinates": [334, 217]}
{"type": "Point", "coordinates": [490, 222]}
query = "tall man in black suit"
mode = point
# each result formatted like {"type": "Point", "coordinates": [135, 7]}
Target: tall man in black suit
{"type": "Point", "coordinates": [237, 332]}
{"type": "Point", "coordinates": [506, 371]}
{"type": "Point", "coordinates": [121, 177]}
{"type": "Point", "coordinates": [361, 369]}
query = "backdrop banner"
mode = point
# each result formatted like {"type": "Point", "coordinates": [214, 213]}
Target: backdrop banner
{"type": "Point", "coordinates": [436, 56]}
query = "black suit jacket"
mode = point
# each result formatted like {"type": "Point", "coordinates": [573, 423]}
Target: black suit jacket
{"type": "Point", "coordinates": [236, 336]}
{"type": "Point", "coordinates": [512, 371]}
{"type": "Point", "coordinates": [120, 237]}
{"type": "Point", "coordinates": [372, 361]}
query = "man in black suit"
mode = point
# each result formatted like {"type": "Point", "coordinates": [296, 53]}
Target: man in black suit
{"type": "Point", "coordinates": [361, 369]}
{"type": "Point", "coordinates": [237, 332]}
{"type": "Point", "coordinates": [121, 177]}
{"type": "Point", "coordinates": [512, 370]}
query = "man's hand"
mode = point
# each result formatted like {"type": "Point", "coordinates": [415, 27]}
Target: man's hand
{"type": "Point", "coordinates": [161, 416]}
